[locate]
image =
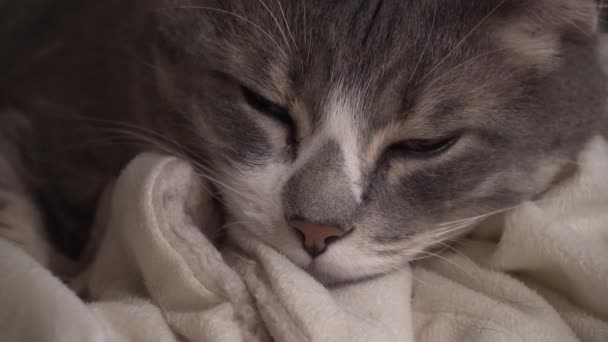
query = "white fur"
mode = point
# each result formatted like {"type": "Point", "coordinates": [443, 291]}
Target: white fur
{"type": "Point", "coordinates": [254, 203]}
{"type": "Point", "coordinates": [342, 126]}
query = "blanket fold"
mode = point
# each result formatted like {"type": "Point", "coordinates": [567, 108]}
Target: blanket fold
{"type": "Point", "coordinates": [538, 273]}
{"type": "Point", "coordinates": [156, 258]}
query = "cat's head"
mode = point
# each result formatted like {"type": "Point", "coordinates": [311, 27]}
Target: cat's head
{"type": "Point", "coordinates": [392, 124]}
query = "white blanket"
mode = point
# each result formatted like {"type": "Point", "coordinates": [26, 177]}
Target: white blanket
{"type": "Point", "coordinates": [540, 273]}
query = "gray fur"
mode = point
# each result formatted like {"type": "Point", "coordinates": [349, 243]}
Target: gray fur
{"type": "Point", "coordinates": [319, 191]}
{"type": "Point", "coordinates": [433, 68]}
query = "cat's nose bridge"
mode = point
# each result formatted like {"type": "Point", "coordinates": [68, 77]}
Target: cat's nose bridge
{"type": "Point", "coordinates": [321, 191]}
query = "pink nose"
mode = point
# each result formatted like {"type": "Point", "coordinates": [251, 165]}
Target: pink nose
{"type": "Point", "coordinates": [316, 237]}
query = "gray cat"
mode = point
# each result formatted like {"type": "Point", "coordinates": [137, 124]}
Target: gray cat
{"type": "Point", "coordinates": [349, 135]}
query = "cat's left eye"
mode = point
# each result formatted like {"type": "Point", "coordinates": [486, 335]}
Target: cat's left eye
{"type": "Point", "coordinates": [423, 147]}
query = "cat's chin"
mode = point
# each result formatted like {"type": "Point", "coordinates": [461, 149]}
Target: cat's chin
{"type": "Point", "coordinates": [338, 266]}
{"type": "Point", "coordinates": [333, 279]}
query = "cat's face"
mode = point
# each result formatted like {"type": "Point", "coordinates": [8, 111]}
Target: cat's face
{"type": "Point", "coordinates": [394, 121]}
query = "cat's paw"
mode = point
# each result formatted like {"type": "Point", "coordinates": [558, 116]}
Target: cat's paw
{"type": "Point", "coordinates": [22, 225]}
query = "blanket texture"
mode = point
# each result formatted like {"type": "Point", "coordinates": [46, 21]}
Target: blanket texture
{"type": "Point", "coordinates": [537, 273]}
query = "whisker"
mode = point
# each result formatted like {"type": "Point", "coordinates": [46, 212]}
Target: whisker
{"type": "Point", "coordinates": [309, 35]}
{"type": "Point", "coordinates": [424, 50]}
{"type": "Point", "coordinates": [449, 231]}
{"type": "Point", "coordinates": [463, 40]}
{"type": "Point", "coordinates": [240, 17]}
{"type": "Point", "coordinates": [451, 262]}
{"type": "Point", "coordinates": [220, 184]}
{"type": "Point", "coordinates": [287, 24]}
{"type": "Point", "coordinates": [274, 18]}
{"type": "Point", "coordinates": [467, 62]}
{"type": "Point", "coordinates": [466, 258]}
{"type": "Point", "coordinates": [127, 133]}
{"type": "Point", "coordinates": [494, 212]}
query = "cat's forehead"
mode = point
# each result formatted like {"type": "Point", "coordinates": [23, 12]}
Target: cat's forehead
{"type": "Point", "coordinates": [387, 58]}
{"type": "Point", "coordinates": [357, 43]}
{"type": "Point", "coordinates": [360, 38]}
{"type": "Point", "coordinates": [381, 57]}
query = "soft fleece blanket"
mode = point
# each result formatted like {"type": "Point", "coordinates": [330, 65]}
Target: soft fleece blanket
{"type": "Point", "coordinates": [537, 273]}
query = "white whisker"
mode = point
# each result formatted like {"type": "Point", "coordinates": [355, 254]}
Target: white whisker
{"type": "Point", "coordinates": [463, 40]}
{"type": "Point", "coordinates": [451, 262]}
{"type": "Point", "coordinates": [274, 18]}
{"type": "Point", "coordinates": [424, 50]}
{"type": "Point", "coordinates": [465, 63]}
{"type": "Point", "coordinates": [482, 216]}
{"type": "Point", "coordinates": [240, 17]}
{"type": "Point", "coordinates": [287, 24]}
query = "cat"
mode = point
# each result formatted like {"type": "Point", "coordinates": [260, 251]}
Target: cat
{"type": "Point", "coordinates": [350, 135]}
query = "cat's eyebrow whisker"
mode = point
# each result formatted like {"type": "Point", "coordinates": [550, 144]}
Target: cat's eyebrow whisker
{"type": "Point", "coordinates": [219, 10]}
{"type": "Point", "coordinates": [460, 65]}
{"type": "Point", "coordinates": [463, 40]}
{"type": "Point", "coordinates": [274, 18]}
{"type": "Point", "coordinates": [424, 50]}
{"type": "Point", "coordinates": [307, 36]}
{"type": "Point", "coordinates": [293, 39]}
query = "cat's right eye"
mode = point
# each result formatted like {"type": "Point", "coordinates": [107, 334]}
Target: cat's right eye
{"type": "Point", "coordinates": [268, 108]}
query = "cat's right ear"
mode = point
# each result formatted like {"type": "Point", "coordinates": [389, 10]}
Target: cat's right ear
{"type": "Point", "coordinates": [559, 16]}
{"type": "Point", "coordinates": [535, 29]}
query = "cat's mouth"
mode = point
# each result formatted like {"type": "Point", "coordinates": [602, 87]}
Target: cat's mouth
{"type": "Point", "coordinates": [325, 272]}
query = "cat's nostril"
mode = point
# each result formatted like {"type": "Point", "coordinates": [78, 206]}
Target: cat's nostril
{"type": "Point", "coordinates": [316, 237]}
{"type": "Point", "coordinates": [331, 239]}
